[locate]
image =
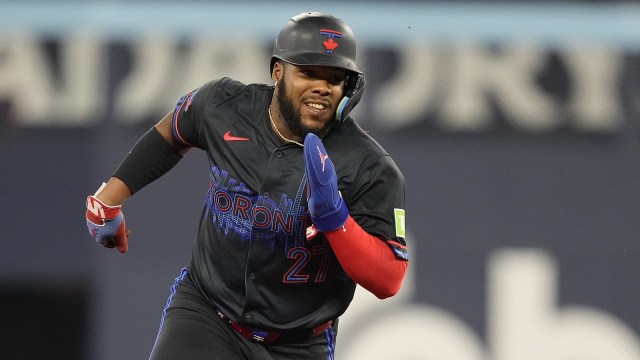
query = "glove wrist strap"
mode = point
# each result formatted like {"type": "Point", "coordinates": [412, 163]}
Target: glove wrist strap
{"type": "Point", "coordinates": [333, 220]}
{"type": "Point", "coordinates": [102, 210]}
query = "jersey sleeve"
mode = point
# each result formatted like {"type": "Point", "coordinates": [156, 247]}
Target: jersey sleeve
{"type": "Point", "coordinates": [185, 120]}
{"type": "Point", "coordinates": [188, 115]}
{"type": "Point", "coordinates": [379, 203]}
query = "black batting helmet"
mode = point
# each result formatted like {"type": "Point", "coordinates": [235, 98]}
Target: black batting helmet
{"type": "Point", "coordinates": [314, 38]}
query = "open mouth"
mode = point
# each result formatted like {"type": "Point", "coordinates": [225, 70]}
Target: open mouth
{"type": "Point", "coordinates": [316, 107]}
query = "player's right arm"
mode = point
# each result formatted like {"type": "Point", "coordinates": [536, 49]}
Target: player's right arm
{"type": "Point", "coordinates": [115, 192]}
{"type": "Point", "coordinates": [104, 216]}
{"type": "Point", "coordinates": [155, 153]}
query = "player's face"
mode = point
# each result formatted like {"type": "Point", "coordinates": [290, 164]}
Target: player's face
{"type": "Point", "coordinates": [308, 97]}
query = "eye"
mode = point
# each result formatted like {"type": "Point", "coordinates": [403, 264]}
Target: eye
{"type": "Point", "coordinates": [336, 80]}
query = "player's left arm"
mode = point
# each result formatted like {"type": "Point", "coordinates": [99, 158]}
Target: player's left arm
{"type": "Point", "coordinates": [367, 259]}
{"type": "Point", "coordinates": [377, 264]}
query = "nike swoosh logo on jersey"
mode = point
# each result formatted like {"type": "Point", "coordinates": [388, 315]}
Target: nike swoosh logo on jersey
{"type": "Point", "coordinates": [229, 137]}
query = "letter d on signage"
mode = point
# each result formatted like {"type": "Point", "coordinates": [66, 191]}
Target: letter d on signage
{"type": "Point", "coordinates": [526, 324]}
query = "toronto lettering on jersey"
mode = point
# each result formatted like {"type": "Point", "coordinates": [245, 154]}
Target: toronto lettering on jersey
{"type": "Point", "coordinates": [233, 207]}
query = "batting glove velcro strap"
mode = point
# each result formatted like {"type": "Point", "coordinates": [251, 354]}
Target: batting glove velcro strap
{"type": "Point", "coordinates": [326, 206]}
{"type": "Point", "coordinates": [106, 224]}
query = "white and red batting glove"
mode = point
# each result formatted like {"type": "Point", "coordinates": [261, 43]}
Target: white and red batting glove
{"type": "Point", "coordinates": [106, 224]}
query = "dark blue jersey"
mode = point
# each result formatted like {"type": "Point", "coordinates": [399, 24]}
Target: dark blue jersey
{"type": "Point", "coordinates": [251, 258]}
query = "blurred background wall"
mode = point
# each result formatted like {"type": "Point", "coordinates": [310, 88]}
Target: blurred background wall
{"type": "Point", "coordinates": [516, 124]}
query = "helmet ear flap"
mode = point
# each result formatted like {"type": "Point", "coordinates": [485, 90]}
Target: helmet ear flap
{"type": "Point", "coordinates": [353, 90]}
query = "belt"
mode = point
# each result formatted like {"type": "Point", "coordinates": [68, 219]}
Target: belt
{"type": "Point", "coordinates": [263, 336]}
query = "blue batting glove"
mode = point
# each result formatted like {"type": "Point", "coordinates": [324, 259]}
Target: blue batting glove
{"type": "Point", "coordinates": [328, 210]}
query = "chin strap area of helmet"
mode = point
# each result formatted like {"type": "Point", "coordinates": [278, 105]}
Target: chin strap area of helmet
{"type": "Point", "coordinates": [353, 93]}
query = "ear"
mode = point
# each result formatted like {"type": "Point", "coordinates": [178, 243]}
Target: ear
{"type": "Point", "coordinates": [276, 73]}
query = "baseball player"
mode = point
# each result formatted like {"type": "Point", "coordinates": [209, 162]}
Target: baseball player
{"type": "Point", "coordinates": [302, 205]}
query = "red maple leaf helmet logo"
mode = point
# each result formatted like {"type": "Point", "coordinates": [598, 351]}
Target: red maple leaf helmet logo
{"type": "Point", "coordinates": [330, 44]}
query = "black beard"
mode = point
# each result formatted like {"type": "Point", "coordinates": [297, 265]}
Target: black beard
{"type": "Point", "coordinates": [292, 117]}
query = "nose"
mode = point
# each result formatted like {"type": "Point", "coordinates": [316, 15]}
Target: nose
{"type": "Point", "coordinates": [321, 87]}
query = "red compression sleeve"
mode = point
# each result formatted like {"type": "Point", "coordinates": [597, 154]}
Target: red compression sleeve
{"type": "Point", "coordinates": [367, 260]}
